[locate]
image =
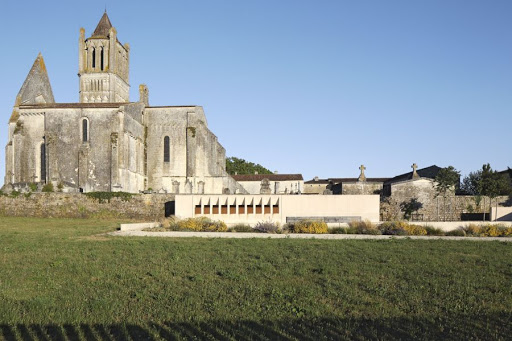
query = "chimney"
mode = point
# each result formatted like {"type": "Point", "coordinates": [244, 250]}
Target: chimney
{"type": "Point", "coordinates": [144, 94]}
{"type": "Point", "coordinates": [316, 178]}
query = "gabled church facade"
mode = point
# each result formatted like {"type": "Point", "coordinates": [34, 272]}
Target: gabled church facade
{"type": "Point", "coordinates": [105, 142]}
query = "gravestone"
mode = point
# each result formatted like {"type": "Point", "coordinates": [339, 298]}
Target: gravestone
{"type": "Point", "coordinates": [265, 187]}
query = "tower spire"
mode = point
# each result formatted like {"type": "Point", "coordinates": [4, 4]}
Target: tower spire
{"type": "Point", "coordinates": [103, 27]}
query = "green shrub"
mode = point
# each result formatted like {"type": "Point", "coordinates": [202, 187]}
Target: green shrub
{"type": "Point", "coordinates": [393, 228]}
{"type": "Point", "coordinates": [308, 226]}
{"type": "Point", "coordinates": [200, 224]}
{"type": "Point", "coordinates": [15, 194]}
{"type": "Point", "coordinates": [338, 230]}
{"type": "Point", "coordinates": [362, 227]}
{"type": "Point", "coordinates": [267, 227]}
{"type": "Point", "coordinates": [106, 196]}
{"type": "Point", "coordinates": [60, 186]}
{"type": "Point", "coordinates": [32, 186]}
{"type": "Point", "coordinates": [27, 195]}
{"type": "Point", "coordinates": [434, 231]}
{"type": "Point", "coordinates": [48, 187]}
{"type": "Point", "coordinates": [472, 230]}
{"type": "Point", "coordinates": [456, 233]}
{"type": "Point", "coordinates": [241, 228]}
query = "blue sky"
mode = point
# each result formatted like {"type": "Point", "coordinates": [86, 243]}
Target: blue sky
{"type": "Point", "coordinates": [311, 87]}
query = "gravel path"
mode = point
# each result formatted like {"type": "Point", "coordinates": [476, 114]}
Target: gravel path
{"type": "Point", "coordinates": [173, 234]}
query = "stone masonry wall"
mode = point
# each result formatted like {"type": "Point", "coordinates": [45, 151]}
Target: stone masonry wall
{"type": "Point", "coordinates": [434, 208]}
{"type": "Point", "coordinates": [361, 187]}
{"type": "Point", "coordinates": [77, 205]}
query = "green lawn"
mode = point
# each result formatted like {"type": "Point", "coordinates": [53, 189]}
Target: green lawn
{"type": "Point", "coordinates": [60, 280]}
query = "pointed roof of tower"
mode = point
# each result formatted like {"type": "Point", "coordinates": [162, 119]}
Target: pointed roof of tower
{"type": "Point", "coordinates": [36, 89]}
{"type": "Point", "coordinates": [103, 28]}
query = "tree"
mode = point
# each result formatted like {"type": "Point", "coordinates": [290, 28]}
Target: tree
{"type": "Point", "coordinates": [469, 185]}
{"type": "Point", "coordinates": [492, 184]}
{"type": "Point", "coordinates": [446, 180]}
{"type": "Point", "coordinates": [240, 166]}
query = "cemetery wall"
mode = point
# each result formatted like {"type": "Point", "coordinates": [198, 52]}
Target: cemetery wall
{"type": "Point", "coordinates": [77, 205]}
{"type": "Point", "coordinates": [434, 207]}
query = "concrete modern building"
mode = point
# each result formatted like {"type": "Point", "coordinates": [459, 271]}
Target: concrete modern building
{"type": "Point", "coordinates": [251, 209]}
{"type": "Point", "coordinates": [105, 142]}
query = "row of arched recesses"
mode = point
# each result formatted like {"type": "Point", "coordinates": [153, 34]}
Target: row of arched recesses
{"type": "Point", "coordinates": [102, 58]}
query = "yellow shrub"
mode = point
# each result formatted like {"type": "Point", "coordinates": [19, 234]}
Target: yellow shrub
{"type": "Point", "coordinates": [491, 231]}
{"type": "Point", "coordinates": [402, 228]}
{"type": "Point", "coordinates": [507, 232]}
{"type": "Point", "coordinates": [202, 224]}
{"type": "Point", "coordinates": [496, 231]}
{"type": "Point", "coordinates": [306, 226]}
{"type": "Point", "coordinates": [415, 230]}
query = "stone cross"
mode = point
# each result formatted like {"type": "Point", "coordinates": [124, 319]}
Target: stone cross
{"type": "Point", "coordinates": [414, 173]}
{"type": "Point", "coordinates": [362, 177]}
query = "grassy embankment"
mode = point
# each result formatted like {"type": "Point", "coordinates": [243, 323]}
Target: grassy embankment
{"type": "Point", "coordinates": [58, 279]}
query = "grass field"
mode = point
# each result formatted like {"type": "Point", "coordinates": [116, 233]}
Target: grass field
{"type": "Point", "coordinates": [59, 279]}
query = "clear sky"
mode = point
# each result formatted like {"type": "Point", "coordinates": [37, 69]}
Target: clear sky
{"type": "Point", "coordinates": [311, 87]}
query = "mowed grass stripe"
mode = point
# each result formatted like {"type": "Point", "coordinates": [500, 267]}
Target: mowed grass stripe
{"type": "Point", "coordinates": [59, 276]}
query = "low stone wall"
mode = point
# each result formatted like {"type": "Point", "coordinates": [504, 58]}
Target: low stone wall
{"type": "Point", "coordinates": [77, 205]}
{"type": "Point", "coordinates": [438, 208]}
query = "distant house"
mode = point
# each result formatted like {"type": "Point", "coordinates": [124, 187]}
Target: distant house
{"type": "Point", "coordinates": [426, 174]}
{"type": "Point", "coordinates": [316, 186]}
{"type": "Point", "coordinates": [354, 186]}
{"type": "Point", "coordinates": [271, 183]}
{"type": "Point", "coordinates": [357, 186]}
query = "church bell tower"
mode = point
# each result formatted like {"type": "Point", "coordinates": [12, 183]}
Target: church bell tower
{"type": "Point", "coordinates": [103, 65]}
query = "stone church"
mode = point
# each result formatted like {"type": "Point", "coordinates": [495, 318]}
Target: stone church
{"type": "Point", "coordinates": [105, 142]}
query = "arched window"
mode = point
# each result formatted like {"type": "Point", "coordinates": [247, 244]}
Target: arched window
{"type": "Point", "coordinates": [93, 57]}
{"type": "Point", "coordinates": [101, 59]}
{"type": "Point", "coordinates": [43, 162]}
{"type": "Point", "coordinates": [167, 157]}
{"type": "Point", "coordinates": [85, 130]}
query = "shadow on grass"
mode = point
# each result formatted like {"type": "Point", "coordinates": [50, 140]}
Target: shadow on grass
{"type": "Point", "coordinates": [495, 326]}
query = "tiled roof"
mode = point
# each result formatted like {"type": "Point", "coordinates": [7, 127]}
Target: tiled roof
{"type": "Point", "coordinates": [341, 180]}
{"type": "Point", "coordinates": [428, 172]}
{"type": "Point", "coordinates": [319, 181]}
{"type": "Point", "coordinates": [270, 177]}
